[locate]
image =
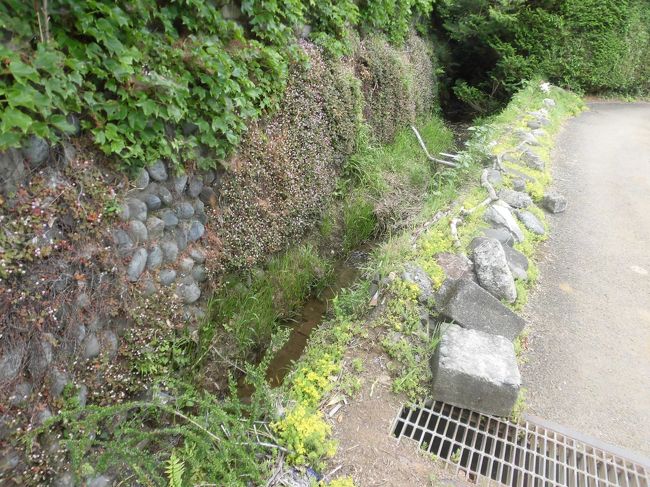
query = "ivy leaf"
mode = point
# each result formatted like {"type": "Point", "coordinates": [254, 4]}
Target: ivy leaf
{"type": "Point", "coordinates": [46, 60]}
{"type": "Point", "coordinates": [22, 71]}
{"type": "Point", "coordinates": [148, 106]}
{"type": "Point", "coordinates": [15, 118]}
{"type": "Point", "coordinates": [22, 96]}
{"type": "Point", "coordinates": [60, 122]}
{"type": "Point", "coordinates": [9, 139]}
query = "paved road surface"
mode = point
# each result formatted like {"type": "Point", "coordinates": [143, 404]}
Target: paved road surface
{"type": "Point", "coordinates": [589, 347]}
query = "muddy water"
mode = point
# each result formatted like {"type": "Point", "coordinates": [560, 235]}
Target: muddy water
{"type": "Point", "coordinates": [311, 316]}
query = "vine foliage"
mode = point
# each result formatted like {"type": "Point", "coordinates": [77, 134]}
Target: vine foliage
{"type": "Point", "coordinates": [172, 79]}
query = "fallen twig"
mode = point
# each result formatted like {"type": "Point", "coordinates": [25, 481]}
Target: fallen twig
{"type": "Point", "coordinates": [454, 231]}
{"type": "Point", "coordinates": [452, 156]}
{"type": "Point", "coordinates": [431, 158]}
{"type": "Point", "coordinates": [423, 228]}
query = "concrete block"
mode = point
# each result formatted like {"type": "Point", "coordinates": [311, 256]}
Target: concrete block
{"type": "Point", "coordinates": [476, 370]}
{"type": "Point", "coordinates": [471, 306]}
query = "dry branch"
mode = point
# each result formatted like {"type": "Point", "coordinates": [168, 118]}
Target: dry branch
{"type": "Point", "coordinates": [429, 156]}
{"type": "Point", "coordinates": [454, 231]}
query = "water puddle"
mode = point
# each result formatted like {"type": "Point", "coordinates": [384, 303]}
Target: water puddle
{"type": "Point", "coordinates": [311, 316]}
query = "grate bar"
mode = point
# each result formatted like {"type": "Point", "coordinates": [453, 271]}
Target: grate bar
{"type": "Point", "coordinates": [529, 453]}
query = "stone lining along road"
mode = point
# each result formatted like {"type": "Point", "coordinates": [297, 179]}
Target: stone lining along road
{"type": "Point", "coordinates": [588, 363]}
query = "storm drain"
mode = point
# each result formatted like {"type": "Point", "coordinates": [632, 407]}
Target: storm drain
{"type": "Point", "coordinates": [491, 450]}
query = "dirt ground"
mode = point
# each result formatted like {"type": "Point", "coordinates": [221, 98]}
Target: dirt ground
{"type": "Point", "coordinates": [368, 452]}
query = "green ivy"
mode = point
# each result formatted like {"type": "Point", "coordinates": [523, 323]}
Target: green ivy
{"type": "Point", "coordinates": [172, 79]}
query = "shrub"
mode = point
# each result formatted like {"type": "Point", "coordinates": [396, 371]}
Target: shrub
{"type": "Point", "coordinates": [386, 82]}
{"type": "Point", "coordinates": [590, 45]}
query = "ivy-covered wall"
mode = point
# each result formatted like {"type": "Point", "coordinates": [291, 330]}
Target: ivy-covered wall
{"type": "Point", "coordinates": [106, 266]}
{"type": "Point", "coordinates": [180, 80]}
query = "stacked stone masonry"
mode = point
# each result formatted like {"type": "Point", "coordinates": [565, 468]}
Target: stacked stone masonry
{"type": "Point", "coordinates": [163, 215]}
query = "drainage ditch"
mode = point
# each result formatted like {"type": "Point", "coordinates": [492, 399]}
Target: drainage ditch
{"type": "Point", "coordinates": [311, 316]}
{"type": "Point", "coordinates": [529, 453]}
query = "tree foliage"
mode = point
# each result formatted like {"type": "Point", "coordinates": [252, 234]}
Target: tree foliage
{"type": "Point", "coordinates": [587, 45]}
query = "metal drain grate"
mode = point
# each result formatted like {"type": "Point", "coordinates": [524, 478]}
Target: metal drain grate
{"type": "Point", "coordinates": [526, 454]}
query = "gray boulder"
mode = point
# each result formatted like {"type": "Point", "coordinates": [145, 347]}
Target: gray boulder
{"type": "Point", "coordinates": [528, 138]}
{"type": "Point", "coordinates": [518, 174]}
{"type": "Point", "coordinates": [534, 124]}
{"type": "Point", "coordinates": [184, 210]}
{"type": "Point", "coordinates": [155, 258]}
{"type": "Point", "coordinates": [532, 160]}
{"type": "Point", "coordinates": [179, 183]}
{"type": "Point", "coordinates": [170, 250]}
{"type": "Point", "coordinates": [109, 342]}
{"type": "Point", "coordinates": [531, 222]}
{"type": "Point", "coordinates": [137, 209]}
{"type": "Point", "coordinates": [517, 262]}
{"type": "Point", "coordinates": [137, 265]}
{"type": "Point", "coordinates": [138, 231]}
{"type": "Point", "coordinates": [13, 172]}
{"type": "Point", "coordinates": [152, 201]}
{"type": "Point", "coordinates": [494, 177]}
{"type": "Point", "coordinates": [491, 268]}
{"type": "Point", "coordinates": [158, 171]}
{"type": "Point", "coordinates": [501, 234]}
{"type": "Point", "coordinates": [199, 273]}
{"type": "Point", "coordinates": [188, 291]}
{"type": "Point", "coordinates": [148, 287]}
{"type": "Point", "coordinates": [516, 199]}
{"type": "Point", "coordinates": [10, 363]}
{"type": "Point", "coordinates": [209, 176]}
{"type": "Point", "coordinates": [549, 102]}
{"type": "Point", "coordinates": [40, 356]}
{"type": "Point", "coordinates": [418, 276]}
{"type": "Point", "coordinates": [142, 179]}
{"type": "Point", "coordinates": [198, 255]}
{"type": "Point", "coordinates": [36, 151]}
{"type": "Point", "coordinates": [155, 227]}
{"type": "Point", "coordinates": [58, 379]}
{"type": "Point", "coordinates": [476, 370]}
{"type": "Point", "coordinates": [168, 217]}
{"type": "Point", "coordinates": [519, 184]}
{"type": "Point", "coordinates": [165, 195]}
{"type": "Point", "coordinates": [185, 265]}
{"type": "Point", "coordinates": [471, 306]}
{"type": "Point", "coordinates": [196, 231]}
{"type": "Point", "coordinates": [167, 276]}
{"type": "Point", "coordinates": [182, 236]}
{"type": "Point", "coordinates": [554, 202]}
{"type": "Point", "coordinates": [21, 394]}
{"type": "Point", "coordinates": [195, 187]}
{"type": "Point", "coordinates": [500, 216]}
{"type": "Point", "coordinates": [91, 346]}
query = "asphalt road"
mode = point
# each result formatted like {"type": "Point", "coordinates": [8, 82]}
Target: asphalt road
{"type": "Point", "coordinates": [588, 363]}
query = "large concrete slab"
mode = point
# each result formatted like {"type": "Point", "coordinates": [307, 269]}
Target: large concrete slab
{"type": "Point", "coordinates": [476, 370]}
{"type": "Point", "coordinates": [471, 306]}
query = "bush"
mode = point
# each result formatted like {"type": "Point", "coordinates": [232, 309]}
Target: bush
{"type": "Point", "coordinates": [598, 46]}
{"type": "Point", "coordinates": [387, 78]}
